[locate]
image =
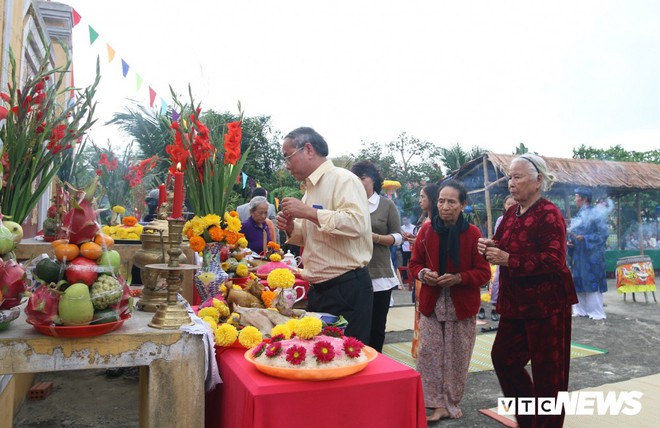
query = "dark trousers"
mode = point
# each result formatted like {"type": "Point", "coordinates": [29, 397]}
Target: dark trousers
{"type": "Point", "coordinates": [350, 295]}
{"type": "Point", "coordinates": [405, 258]}
{"type": "Point", "coordinates": [379, 319]}
{"type": "Point", "coordinates": [547, 343]}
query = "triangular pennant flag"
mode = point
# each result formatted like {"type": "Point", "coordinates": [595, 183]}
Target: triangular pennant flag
{"type": "Point", "coordinates": [277, 203]}
{"type": "Point", "coordinates": [138, 82]}
{"type": "Point", "coordinates": [163, 106]}
{"type": "Point", "coordinates": [152, 97]}
{"type": "Point", "coordinates": [124, 67]}
{"type": "Point", "coordinates": [76, 17]}
{"type": "Point", "coordinates": [245, 177]}
{"type": "Point", "coordinates": [175, 115]}
{"type": "Point", "coordinates": [93, 35]}
{"type": "Point", "coordinates": [111, 53]}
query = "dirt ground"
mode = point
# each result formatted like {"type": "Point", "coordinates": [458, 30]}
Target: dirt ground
{"type": "Point", "coordinates": [630, 335]}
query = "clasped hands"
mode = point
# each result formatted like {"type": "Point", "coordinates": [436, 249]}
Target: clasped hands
{"type": "Point", "coordinates": [434, 279]}
{"type": "Point", "coordinates": [291, 209]}
{"type": "Point", "coordinates": [495, 256]}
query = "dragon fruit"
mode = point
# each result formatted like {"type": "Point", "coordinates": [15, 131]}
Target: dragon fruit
{"type": "Point", "coordinates": [125, 305]}
{"type": "Point", "coordinates": [80, 221]}
{"type": "Point", "coordinates": [42, 306]}
{"type": "Point", "coordinates": [12, 283]}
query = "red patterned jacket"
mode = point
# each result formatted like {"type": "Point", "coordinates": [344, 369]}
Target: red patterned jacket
{"type": "Point", "coordinates": [474, 270]}
{"type": "Point", "coordinates": [537, 282]}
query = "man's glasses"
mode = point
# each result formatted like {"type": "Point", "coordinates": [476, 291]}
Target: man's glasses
{"type": "Point", "coordinates": [287, 159]}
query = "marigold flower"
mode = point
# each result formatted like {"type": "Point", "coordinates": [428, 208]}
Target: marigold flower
{"type": "Point", "coordinates": [223, 309]}
{"type": "Point", "coordinates": [129, 221]}
{"type": "Point", "coordinates": [267, 297]}
{"type": "Point", "coordinates": [324, 352]}
{"type": "Point", "coordinates": [291, 323]}
{"type": "Point", "coordinates": [197, 244]}
{"type": "Point", "coordinates": [209, 311]}
{"type": "Point", "coordinates": [242, 243]}
{"type": "Point", "coordinates": [216, 233]}
{"type": "Point", "coordinates": [282, 329]}
{"type": "Point", "coordinates": [281, 278]}
{"type": "Point", "coordinates": [250, 337]}
{"type": "Point", "coordinates": [210, 321]}
{"type": "Point", "coordinates": [273, 245]}
{"type": "Point", "coordinates": [118, 209]}
{"type": "Point", "coordinates": [225, 334]}
{"type": "Point", "coordinates": [275, 258]}
{"type": "Point", "coordinates": [308, 327]}
{"type": "Point", "coordinates": [241, 270]}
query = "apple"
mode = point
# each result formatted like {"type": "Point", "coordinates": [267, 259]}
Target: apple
{"type": "Point", "coordinates": [15, 229]}
{"type": "Point", "coordinates": [110, 258]}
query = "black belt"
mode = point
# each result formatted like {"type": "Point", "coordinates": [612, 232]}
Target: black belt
{"type": "Point", "coordinates": [344, 277]}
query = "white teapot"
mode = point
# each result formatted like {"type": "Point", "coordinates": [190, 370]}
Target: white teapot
{"type": "Point", "coordinates": [291, 260]}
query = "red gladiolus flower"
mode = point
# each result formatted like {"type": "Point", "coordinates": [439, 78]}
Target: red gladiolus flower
{"type": "Point", "coordinates": [296, 355]}
{"type": "Point", "coordinates": [58, 133]}
{"type": "Point", "coordinates": [233, 143]}
{"type": "Point", "coordinates": [324, 352]}
{"type": "Point", "coordinates": [3, 113]}
{"type": "Point", "coordinates": [5, 97]}
{"type": "Point", "coordinates": [40, 128]}
{"type": "Point", "coordinates": [99, 172]}
{"type": "Point", "coordinates": [39, 86]}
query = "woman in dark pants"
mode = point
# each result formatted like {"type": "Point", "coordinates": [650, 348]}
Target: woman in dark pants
{"type": "Point", "coordinates": [386, 232]}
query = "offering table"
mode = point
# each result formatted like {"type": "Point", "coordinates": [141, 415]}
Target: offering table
{"type": "Point", "coordinates": [386, 393]}
{"type": "Point", "coordinates": [171, 364]}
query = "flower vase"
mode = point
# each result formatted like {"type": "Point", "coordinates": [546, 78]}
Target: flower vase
{"type": "Point", "coordinates": [210, 276]}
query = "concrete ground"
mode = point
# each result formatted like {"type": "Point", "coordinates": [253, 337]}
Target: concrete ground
{"type": "Point", "coordinates": [631, 335]}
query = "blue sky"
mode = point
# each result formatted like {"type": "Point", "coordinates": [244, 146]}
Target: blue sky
{"type": "Point", "coordinates": [552, 75]}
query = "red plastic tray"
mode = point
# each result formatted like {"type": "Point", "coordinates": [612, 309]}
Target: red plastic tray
{"type": "Point", "coordinates": [79, 331]}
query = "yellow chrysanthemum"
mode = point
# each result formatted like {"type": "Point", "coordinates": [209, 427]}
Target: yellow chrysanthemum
{"type": "Point", "coordinates": [121, 234]}
{"type": "Point", "coordinates": [275, 258]}
{"type": "Point", "coordinates": [225, 334]}
{"type": "Point", "coordinates": [223, 289]}
{"type": "Point", "coordinates": [242, 243]}
{"type": "Point", "coordinates": [282, 329]}
{"type": "Point", "coordinates": [210, 321]}
{"type": "Point", "coordinates": [253, 276]}
{"type": "Point", "coordinates": [236, 287]}
{"type": "Point", "coordinates": [242, 270]}
{"type": "Point", "coordinates": [485, 297]}
{"type": "Point", "coordinates": [106, 230]}
{"type": "Point", "coordinates": [118, 209]}
{"type": "Point", "coordinates": [250, 337]}
{"type": "Point", "coordinates": [281, 278]}
{"type": "Point", "coordinates": [211, 220]}
{"type": "Point", "coordinates": [308, 327]}
{"type": "Point", "coordinates": [222, 308]}
{"type": "Point", "coordinates": [292, 324]}
{"type": "Point", "coordinates": [233, 223]}
{"type": "Point", "coordinates": [209, 311]}
{"type": "Point", "coordinates": [133, 235]}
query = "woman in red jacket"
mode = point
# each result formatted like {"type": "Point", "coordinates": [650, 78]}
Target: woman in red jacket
{"type": "Point", "coordinates": [452, 272]}
{"type": "Point", "coordinates": [536, 292]}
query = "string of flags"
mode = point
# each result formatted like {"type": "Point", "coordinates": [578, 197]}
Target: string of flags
{"type": "Point", "coordinates": [125, 66]}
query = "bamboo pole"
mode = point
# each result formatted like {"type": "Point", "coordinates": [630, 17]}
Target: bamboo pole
{"type": "Point", "coordinates": [639, 222]}
{"type": "Point", "coordinates": [489, 216]}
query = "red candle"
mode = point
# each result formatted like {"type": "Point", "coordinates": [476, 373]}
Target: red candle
{"type": "Point", "coordinates": [177, 204]}
{"type": "Point", "coordinates": [162, 194]}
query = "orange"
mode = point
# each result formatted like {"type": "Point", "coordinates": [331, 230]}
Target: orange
{"type": "Point", "coordinates": [103, 239]}
{"type": "Point", "coordinates": [56, 243]}
{"type": "Point", "coordinates": [91, 250]}
{"type": "Point", "coordinates": [68, 251]}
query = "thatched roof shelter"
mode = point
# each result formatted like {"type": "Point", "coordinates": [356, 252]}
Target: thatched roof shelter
{"type": "Point", "coordinates": [487, 175]}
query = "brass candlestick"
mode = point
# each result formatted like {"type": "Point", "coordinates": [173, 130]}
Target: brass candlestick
{"type": "Point", "coordinates": [172, 314]}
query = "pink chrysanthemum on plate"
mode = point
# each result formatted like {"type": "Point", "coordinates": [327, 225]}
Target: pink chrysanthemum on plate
{"type": "Point", "coordinates": [273, 349]}
{"type": "Point", "coordinates": [332, 331]}
{"type": "Point", "coordinates": [277, 338]}
{"type": "Point", "coordinates": [352, 347]}
{"type": "Point", "coordinates": [296, 355]}
{"type": "Point", "coordinates": [324, 352]}
{"type": "Point", "coordinates": [259, 349]}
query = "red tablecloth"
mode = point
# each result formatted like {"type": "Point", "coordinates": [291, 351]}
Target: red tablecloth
{"type": "Point", "coordinates": [385, 394]}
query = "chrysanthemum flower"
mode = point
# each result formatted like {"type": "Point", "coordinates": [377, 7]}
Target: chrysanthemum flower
{"type": "Point", "coordinates": [242, 270]}
{"type": "Point", "coordinates": [282, 329]}
{"type": "Point", "coordinates": [296, 355]}
{"type": "Point", "coordinates": [259, 349]}
{"type": "Point", "coordinates": [273, 349]}
{"type": "Point", "coordinates": [324, 352]}
{"type": "Point", "coordinates": [209, 311]}
{"type": "Point", "coordinates": [332, 331]}
{"type": "Point", "coordinates": [210, 321]}
{"type": "Point", "coordinates": [352, 346]}
{"type": "Point", "coordinates": [242, 243]}
{"type": "Point", "coordinates": [308, 327]}
{"type": "Point", "coordinates": [225, 334]}
{"type": "Point", "coordinates": [223, 309]}
{"type": "Point", "coordinates": [281, 278]}
{"type": "Point", "coordinates": [250, 337]}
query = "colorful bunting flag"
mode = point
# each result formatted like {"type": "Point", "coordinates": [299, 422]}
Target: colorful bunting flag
{"type": "Point", "coordinates": [111, 53]}
{"type": "Point", "coordinates": [163, 106]}
{"type": "Point", "coordinates": [124, 67]}
{"type": "Point", "coordinates": [76, 17]}
{"type": "Point", "coordinates": [152, 97]}
{"type": "Point", "coordinates": [138, 82]}
{"type": "Point", "coordinates": [245, 177]}
{"type": "Point", "coordinates": [175, 115]}
{"type": "Point", "coordinates": [93, 35]}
